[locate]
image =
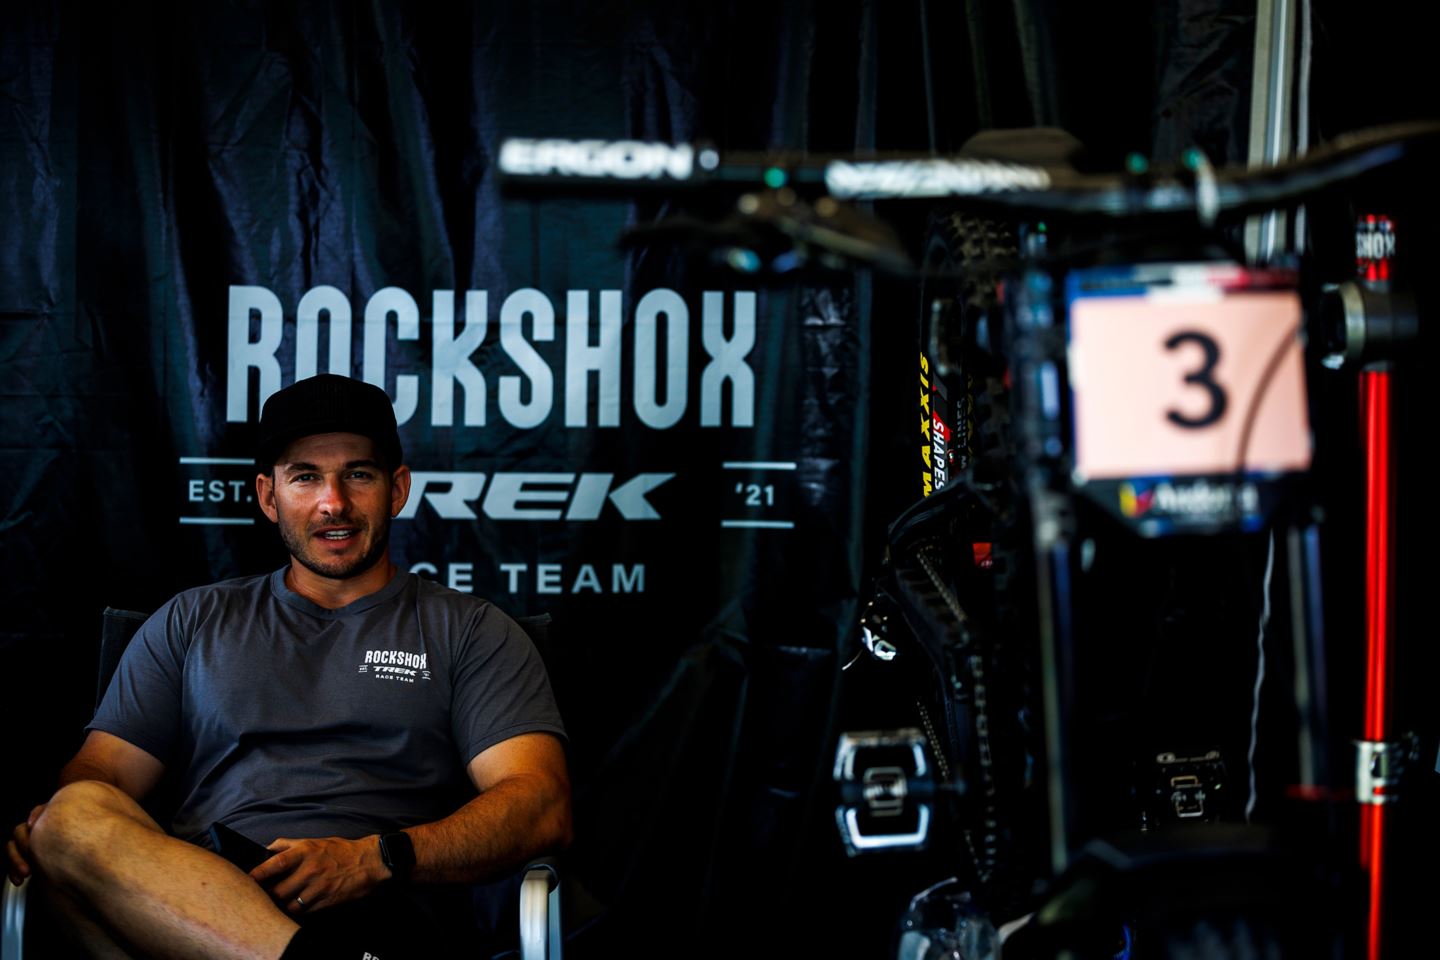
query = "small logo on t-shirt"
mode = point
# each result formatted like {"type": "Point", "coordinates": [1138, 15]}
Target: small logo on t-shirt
{"type": "Point", "coordinates": [396, 665]}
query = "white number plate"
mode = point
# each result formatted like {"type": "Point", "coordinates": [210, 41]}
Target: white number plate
{"type": "Point", "coordinates": [1165, 379]}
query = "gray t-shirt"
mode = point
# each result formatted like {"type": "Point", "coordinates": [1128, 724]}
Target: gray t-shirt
{"type": "Point", "coordinates": [284, 719]}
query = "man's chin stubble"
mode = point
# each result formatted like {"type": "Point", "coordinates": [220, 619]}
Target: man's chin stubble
{"type": "Point", "coordinates": [364, 564]}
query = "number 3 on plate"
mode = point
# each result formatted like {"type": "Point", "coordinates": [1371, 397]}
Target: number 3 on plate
{"type": "Point", "coordinates": [1203, 377]}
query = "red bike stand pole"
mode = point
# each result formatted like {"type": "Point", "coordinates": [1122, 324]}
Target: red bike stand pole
{"type": "Point", "coordinates": [1375, 396]}
{"type": "Point", "coordinates": [1376, 771]}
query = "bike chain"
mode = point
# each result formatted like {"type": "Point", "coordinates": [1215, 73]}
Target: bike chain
{"type": "Point", "coordinates": [935, 747]}
{"type": "Point", "coordinates": [991, 844]}
{"type": "Point", "coordinates": [984, 865]}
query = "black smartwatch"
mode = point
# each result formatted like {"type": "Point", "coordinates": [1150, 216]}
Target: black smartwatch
{"type": "Point", "coordinates": [398, 853]}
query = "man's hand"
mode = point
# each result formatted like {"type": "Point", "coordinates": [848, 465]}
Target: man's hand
{"type": "Point", "coordinates": [17, 849]}
{"type": "Point", "coordinates": [309, 875]}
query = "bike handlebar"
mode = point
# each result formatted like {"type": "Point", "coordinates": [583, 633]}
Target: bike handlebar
{"type": "Point", "coordinates": [630, 167]}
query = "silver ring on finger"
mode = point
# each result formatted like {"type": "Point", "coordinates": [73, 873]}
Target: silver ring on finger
{"type": "Point", "coordinates": [301, 902]}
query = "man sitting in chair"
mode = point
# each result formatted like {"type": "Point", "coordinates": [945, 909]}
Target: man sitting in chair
{"type": "Point", "coordinates": [386, 739]}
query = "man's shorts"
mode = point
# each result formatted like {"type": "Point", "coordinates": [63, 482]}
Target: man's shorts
{"type": "Point", "coordinates": [398, 922]}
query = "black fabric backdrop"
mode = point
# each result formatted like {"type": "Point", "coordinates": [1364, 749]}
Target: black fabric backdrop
{"type": "Point", "coordinates": [164, 167]}
{"type": "Point", "coordinates": [177, 181]}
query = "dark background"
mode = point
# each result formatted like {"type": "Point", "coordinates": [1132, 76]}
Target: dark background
{"type": "Point", "coordinates": [153, 155]}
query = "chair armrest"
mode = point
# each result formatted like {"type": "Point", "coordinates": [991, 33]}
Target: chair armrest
{"type": "Point", "coordinates": [12, 943]}
{"type": "Point", "coordinates": [540, 911]}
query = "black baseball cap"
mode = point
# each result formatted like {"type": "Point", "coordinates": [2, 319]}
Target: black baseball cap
{"type": "Point", "coordinates": [328, 403]}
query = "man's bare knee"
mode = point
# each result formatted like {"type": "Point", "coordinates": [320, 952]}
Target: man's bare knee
{"type": "Point", "coordinates": [75, 834]}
